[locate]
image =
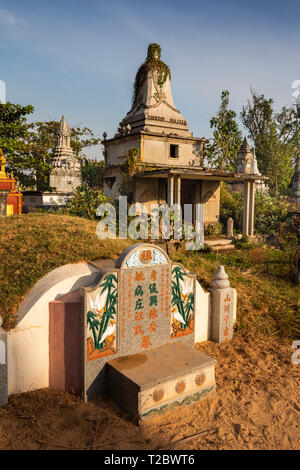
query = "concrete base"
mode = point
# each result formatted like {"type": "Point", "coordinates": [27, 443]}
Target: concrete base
{"type": "Point", "coordinates": [148, 384]}
{"type": "Point", "coordinates": [221, 244]}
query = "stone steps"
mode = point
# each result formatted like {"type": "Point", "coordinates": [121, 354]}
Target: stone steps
{"type": "Point", "coordinates": [221, 244]}
{"type": "Point", "coordinates": [231, 246]}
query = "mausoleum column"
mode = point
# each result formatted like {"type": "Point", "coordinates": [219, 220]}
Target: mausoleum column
{"type": "Point", "coordinates": [251, 208]}
{"type": "Point", "coordinates": [177, 189]}
{"type": "Point", "coordinates": [170, 190]}
{"type": "Point", "coordinates": [248, 215]}
{"type": "Point", "coordinates": [197, 206]}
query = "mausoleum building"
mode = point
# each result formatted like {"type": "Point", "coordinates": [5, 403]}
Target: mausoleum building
{"type": "Point", "coordinates": [170, 159]}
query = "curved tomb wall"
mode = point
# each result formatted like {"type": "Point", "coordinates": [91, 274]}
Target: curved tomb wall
{"type": "Point", "coordinates": [28, 342]}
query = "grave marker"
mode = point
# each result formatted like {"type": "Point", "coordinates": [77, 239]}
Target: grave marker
{"type": "Point", "coordinates": [222, 307]}
{"type": "Point", "coordinates": [144, 303]}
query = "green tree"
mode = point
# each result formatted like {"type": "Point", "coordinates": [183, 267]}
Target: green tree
{"type": "Point", "coordinates": [92, 172]}
{"type": "Point", "coordinates": [276, 137]}
{"type": "Point", "coordinates": [28, 146]}
{"type": "Point", "coordinates": [15, 138]}
{"type": "Point", "coordinates": [221, 151]}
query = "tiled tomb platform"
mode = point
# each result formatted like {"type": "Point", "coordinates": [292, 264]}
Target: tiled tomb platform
{"type": "Point", "coordinates": [147, 384]}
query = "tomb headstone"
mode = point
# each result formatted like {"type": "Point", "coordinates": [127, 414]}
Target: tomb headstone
{"type": "Point", "coordinates": [229, 227]}
{"type": "Point", "coordinates": [142, 304]}
{"type": "Point", "coordinates": [3, 366]}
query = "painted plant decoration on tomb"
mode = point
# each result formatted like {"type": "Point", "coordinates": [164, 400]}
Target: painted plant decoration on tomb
{"type": "Point", "coordinates": [182, 317]}
{"type": "Point", "coordinates": [101, 320]}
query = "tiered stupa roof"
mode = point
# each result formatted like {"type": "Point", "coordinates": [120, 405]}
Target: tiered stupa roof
{"type": "Point", "coordinates": [153, 108]}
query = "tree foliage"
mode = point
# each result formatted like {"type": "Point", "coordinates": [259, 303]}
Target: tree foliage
{"type": "Point", "coordinates": [221, 151]}
{"type": "Point", "coordinates": [153, 63]}
{"type": "Point", "coordinates": [276, 137]}
{"type": "Point", "coordinates": [270, 212]}
{"type": "Point", "coordinates": [92, 172]}
{"type": "Point", "coordinates": [128, 169]}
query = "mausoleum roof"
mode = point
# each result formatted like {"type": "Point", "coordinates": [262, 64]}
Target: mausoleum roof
{"type": "Point", "coordinates": [199, 173]}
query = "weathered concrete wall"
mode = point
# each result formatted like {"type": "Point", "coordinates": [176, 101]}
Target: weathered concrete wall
{"type": "Point", "coordinates": [28, 342]}
{"type": "Point", "coordinates": [146, 191]}
{"type": "Point", "coordinates": [157, 150]}
{"type": "Point", "coordinates": [65, 180]}
{"type": "Point", "coordinates": [116, 151]}
{"type": "Point", "coordinates": [110, 188]}
{"type": "Point", "coordinates": [211, 200]}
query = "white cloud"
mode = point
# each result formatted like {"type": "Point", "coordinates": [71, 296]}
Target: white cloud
{"type": "Point", "coordinates": [9, 19]}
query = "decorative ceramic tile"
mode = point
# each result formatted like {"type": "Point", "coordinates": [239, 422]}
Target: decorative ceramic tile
{"type": "Point", "coordinates": [102, 319]}
{"type": "Point", "coordinates": [182, 314]}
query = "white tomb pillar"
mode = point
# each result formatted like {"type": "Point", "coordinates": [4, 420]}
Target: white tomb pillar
{"type": "Point", "coordinates": [177, 190]}
{"type": "Point", "coordinates": [248, 216]}
{"type": "Point", "coordinates": [223, 307]}
{"type": "Point", "coordinates": [170, 190]}
{"type": "Point", "coordinates": [3, 366]}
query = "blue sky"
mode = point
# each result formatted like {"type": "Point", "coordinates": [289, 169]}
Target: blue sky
{"type": "Point", "coordinates": [80, 58]}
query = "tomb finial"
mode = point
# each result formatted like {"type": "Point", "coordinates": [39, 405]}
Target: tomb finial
{"type": "Point", "coordinates": [220, 280]}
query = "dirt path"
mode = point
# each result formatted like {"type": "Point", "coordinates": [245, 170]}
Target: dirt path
{"type": "Point", "coordinates": [256, 406]}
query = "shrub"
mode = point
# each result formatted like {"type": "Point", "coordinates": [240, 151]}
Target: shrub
{"type": "Point", "coordinates": [231, 205]}
{"type": "Point", "coordinates": [243, 243]}
{"type": "Point", "coordinates": [270, 213]}
{"type": "Point", "coordinates": [214, 229]}
{"type": "Point", "coordinates": [84, 202]}
{"type": "Point", "coordinates": [92, 173]}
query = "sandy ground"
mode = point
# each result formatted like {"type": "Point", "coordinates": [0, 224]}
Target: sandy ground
{"type": "Point", "coordinates": [256, 406]}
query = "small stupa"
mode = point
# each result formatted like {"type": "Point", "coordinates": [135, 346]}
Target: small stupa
{"type": "Point", "coordinates": [66, 174]}
{"type": "Point", "coordinates": [247, 163]}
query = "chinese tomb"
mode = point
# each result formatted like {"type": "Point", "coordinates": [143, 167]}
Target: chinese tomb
{"type": "Point", "coordinates": [10, 197]}
{"type": "Point", "coordinates": [123, 329]}
{"type": "Point", "coordinates": [139, 330]}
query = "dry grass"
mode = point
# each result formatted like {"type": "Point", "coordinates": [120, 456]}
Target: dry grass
{"type": "Point", "coordinates": [32, 245]}
{"type": "Point", "coordinates": [268, 300]}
